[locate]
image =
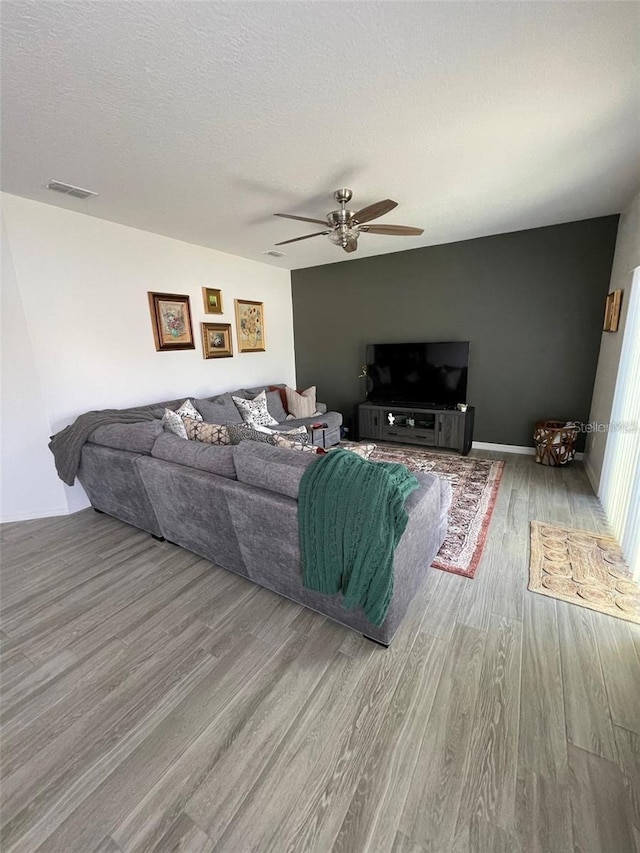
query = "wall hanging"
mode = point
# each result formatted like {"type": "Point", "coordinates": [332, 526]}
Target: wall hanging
{"type": "Point", "coordinates": [250, 326]}
{"type": "Point", "coordinates": [216, 340]}
{"type": "Point", "coordinates": [212, 300]}
{"type": "Point", "coordinates": [612, 311]}
{"type": "Point", "coordinates": [171, 321]}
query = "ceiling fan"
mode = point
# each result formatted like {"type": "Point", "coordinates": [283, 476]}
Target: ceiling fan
{"type": "Point", "coordinates": [343, 227]}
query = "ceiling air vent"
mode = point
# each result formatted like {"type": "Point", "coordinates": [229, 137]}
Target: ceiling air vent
{"type": "Point", "coordinates": [69, 189]}
{"type": "Point", "coordinates": [274, 254]}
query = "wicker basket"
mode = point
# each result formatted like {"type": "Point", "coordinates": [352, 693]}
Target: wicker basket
{"type": "Point", "coordinates": [555, 442]}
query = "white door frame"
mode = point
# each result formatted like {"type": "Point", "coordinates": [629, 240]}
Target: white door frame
{"type": "Point", "coordinates": [619, 489]}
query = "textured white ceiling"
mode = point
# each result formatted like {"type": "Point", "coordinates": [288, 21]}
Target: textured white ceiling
{"type": "Point", "coordinates": [199, 120]}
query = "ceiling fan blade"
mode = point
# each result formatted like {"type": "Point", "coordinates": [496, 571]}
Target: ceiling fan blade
{"type": "Point", "coordinates": [351, 246]}
{"type": "Point", "coordinates": [397, 230]}
{"type": "Point", "coordinates": [301, 218]}
{"type": "Point", "coordinates": [306, 237]}
{"type": "Point", "coordinates": [373, 211]}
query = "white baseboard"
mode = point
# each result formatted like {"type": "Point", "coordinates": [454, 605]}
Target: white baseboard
{"type": "Point", "coordinates": [591, 476]}
{"type": "Point", "coordinates": [30, 515]}
{"type": "Point", "coordinates": [511, 448]}
{"type": "Point", "coordinates": [46, 512]}
{"type": "Point", "coordinates": [503, 448]}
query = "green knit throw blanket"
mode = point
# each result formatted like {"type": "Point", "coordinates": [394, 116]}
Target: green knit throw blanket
{"type": "Point", "coordinates": [351, 516]}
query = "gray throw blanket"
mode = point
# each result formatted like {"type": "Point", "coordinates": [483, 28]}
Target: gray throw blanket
{"type": "Point", "coordinates": [66, 445]}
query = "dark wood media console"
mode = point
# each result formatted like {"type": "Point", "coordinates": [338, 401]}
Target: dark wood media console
{"type": "Point", "coordinates": [446, 428]}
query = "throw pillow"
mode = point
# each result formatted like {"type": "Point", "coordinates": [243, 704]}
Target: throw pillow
{"type": "Point", "coordinates": [243, 432]}
{"type": "Point", "coordinates": [299, 431]}
{"type": "Point", "coordinates": [280, 440]}
{"type": "Point", "coordinates": [208, 433]}
{"type": "Point", "coordinates": [364, 450]}
{"type": "Point", "coordinates": [282, 391]}
{"type": "Point", "coordinates": [299, 435]}
{"type": "Point", "coordinates": [188, 410]}
{"type": "Point", "coordinates": [254, 412]}
{"type": "Point", "coordinates": [172, 422]}
{"type": "Point", "coordinates": [303, 404]}
{"type": "Point", "coordinates": [220, 410]}
{"type": "Point", "coordinates": [275, 407]}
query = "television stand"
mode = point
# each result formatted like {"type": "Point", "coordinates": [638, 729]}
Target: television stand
{"type": "Point", "coordinates": [431, 427]}
{"type": "Point", "coordinates": [410, 404]}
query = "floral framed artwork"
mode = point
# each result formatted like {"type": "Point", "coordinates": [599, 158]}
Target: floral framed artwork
{"type": "Point", "coordinates": [171, 321]}
{"type": "Point", "coordinates": [250, 326]}
{"type": "Point", "coordinates": [212, 300]}
{"type": "Point", "coordinates": [216, 340]}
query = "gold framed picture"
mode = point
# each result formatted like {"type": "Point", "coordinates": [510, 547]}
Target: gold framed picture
{"type": "Point", "coordinates": [612, 311]}
{"type": "Point", "coordinates": [216, 340]}
{"type": "Point", "coordinates": [171, 321]}
{"type": "Point", "coordinates": [250, 326]}
{"type": "Point", "coordinates": [212, 300]}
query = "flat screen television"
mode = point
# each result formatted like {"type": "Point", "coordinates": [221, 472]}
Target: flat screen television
{"type": "Point", "coordinates": [432, 375]}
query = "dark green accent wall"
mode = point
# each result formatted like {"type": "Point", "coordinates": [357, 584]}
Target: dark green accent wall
{"type": "Point", "coordinates": [530, 302]}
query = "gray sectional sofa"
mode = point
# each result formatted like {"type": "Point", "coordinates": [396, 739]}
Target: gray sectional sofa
{"type": "Point", "coordinates": [237, 506]}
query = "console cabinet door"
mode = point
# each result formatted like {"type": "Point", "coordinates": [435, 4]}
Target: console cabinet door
{"type": "Point", "coordinates": [450, 430]}
{"type": "Point", "coordinates": [370, 422]}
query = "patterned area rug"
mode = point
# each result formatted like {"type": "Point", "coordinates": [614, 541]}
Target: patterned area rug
{"type": "Point", "coordinates": [582, 568]}
{"type": "Point", "coordinates": [474, 483]}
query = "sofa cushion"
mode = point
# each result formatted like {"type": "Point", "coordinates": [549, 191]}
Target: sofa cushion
{"type": "Point", "coordinates": [137, 438]}
{"type": "Point", "coordinates": [282, 391]}
{"type": "Point", "coordinates": [208, 433]}
{"type": "Point", "coordinates": [219, 410]}
{"type": "Point", "coordinates": [196, 454]}
{"type": "Point", "coordinates": [275, 407]}
{"type": "Point", "coordinates": [301, 404]}
{"type": "Point", "coordinates": [272, 468]}
{"type": "Point", "coordinates": [254, 412]}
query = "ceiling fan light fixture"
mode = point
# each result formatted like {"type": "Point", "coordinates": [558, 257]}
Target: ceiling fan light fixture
{"type": "Point", "coordinates": [345, 226]}
{"type": "Point", "coordinates": [344, 234]}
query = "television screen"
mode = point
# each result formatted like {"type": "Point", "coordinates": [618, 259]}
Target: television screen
{"type": "Point", "coordinates": [428, 374]}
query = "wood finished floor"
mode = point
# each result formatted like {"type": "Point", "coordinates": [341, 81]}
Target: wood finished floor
{"type": "Point", "coordinates": [152, 702]}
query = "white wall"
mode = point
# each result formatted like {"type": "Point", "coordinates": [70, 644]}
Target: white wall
{"type": "Point", "coordinates": [626, 259]}
{"type": "Point", "coordinates": [27, 487]}
{"type": "Point", "coordinates": [78, 334]}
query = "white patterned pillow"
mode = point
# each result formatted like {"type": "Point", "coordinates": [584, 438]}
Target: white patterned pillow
{"type": "Point", "coordinates": [280, 440]}
{"type": "Point", "coordinates": [188, 410]}
{"type": "Point", "coordinates": [364, 450]}
{"type": "Point", "coordinates": [301, 405]}
{"type": "Point", "coordinates": [254, 412]}
{"type": "Point", "coordinates": [172, 422]}
{"type": "Point", "coordinates": [208, 433]}
{"type": "Point", "coordinates": [300, 434]}
{"type": "Point", "coordinates": [300, 430]}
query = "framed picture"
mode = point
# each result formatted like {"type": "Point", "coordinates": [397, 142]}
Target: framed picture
{"type": "Point", "coordinates": [171, 321]}
{"type": "Point", "coordinates": [216, 340]}
{"type": "Point", "coordinates": [212, 300]}
{"type": "Point", "coordinates": [250, 326]}
{"type": "Point", "coordinates": [612, 311]}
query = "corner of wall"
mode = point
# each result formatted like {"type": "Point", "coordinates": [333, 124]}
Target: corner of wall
{"type": "Point", "coordinates": [626, 259]}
